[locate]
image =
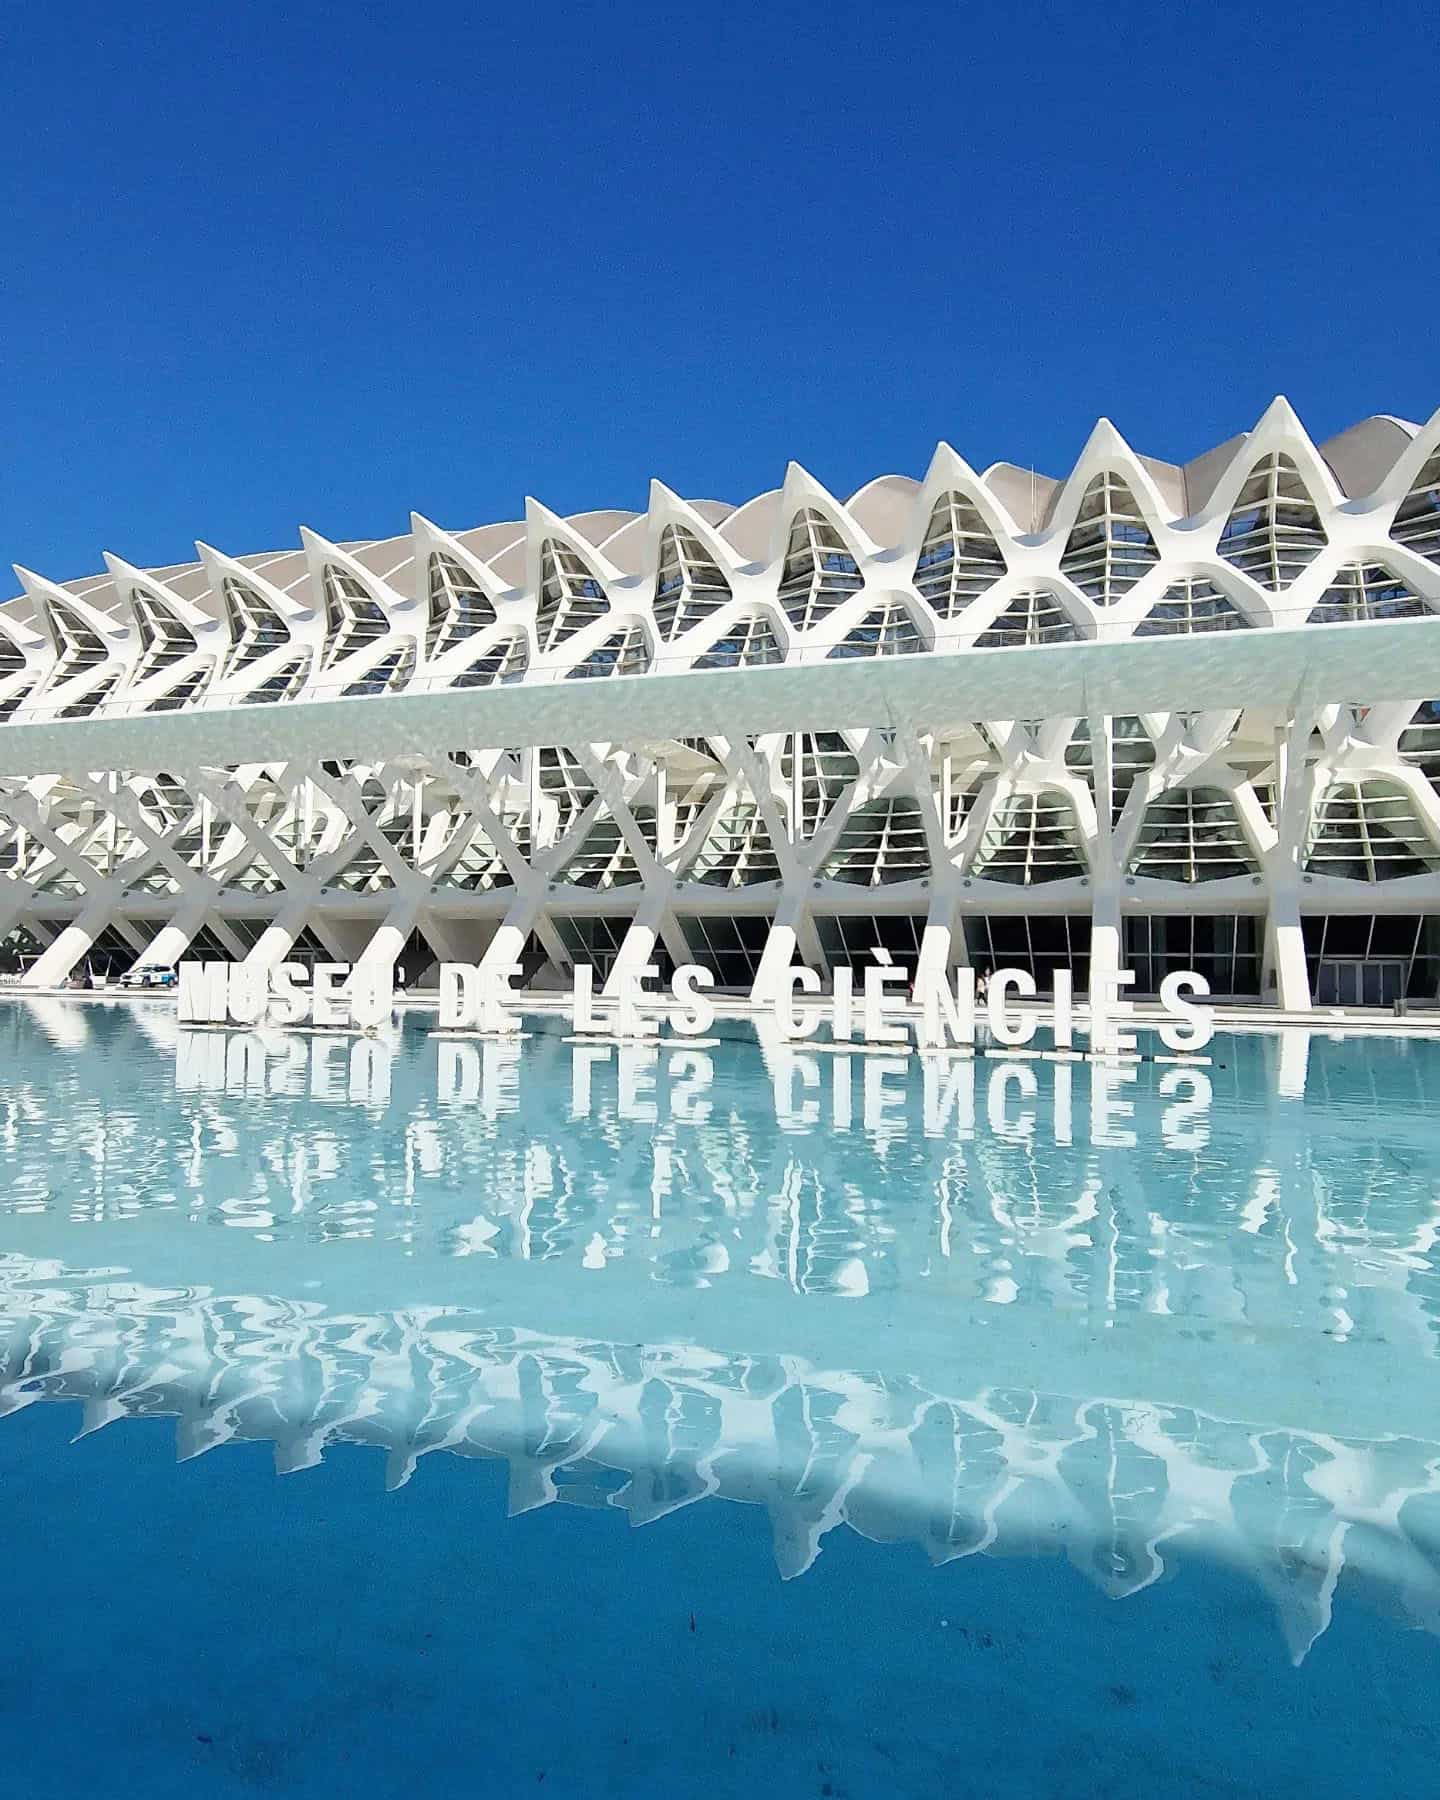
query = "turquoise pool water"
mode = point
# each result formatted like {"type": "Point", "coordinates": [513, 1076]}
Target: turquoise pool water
{"type": "Point", "coordinates": [994, 1426]}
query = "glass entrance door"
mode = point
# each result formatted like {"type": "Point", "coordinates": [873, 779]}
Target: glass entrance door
{"type": "Point", "coordinates": [1369, 982]}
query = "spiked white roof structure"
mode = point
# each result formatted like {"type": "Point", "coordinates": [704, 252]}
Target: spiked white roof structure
{"type": "Point", "coordinates": [1194, 691]}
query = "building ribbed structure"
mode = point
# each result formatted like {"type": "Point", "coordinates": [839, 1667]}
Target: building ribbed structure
{"type": "Point", "coordinates": [1290, 858]}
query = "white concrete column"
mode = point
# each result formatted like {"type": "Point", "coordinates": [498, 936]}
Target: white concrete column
{"type": "Point", "coordinates": [1107, 946]}
{"type": "Point", "coordinates": [640, 938]}
{"type": "Point", "coordinates": [1107, 931]}
{"type": "Point", "coordinates": [56, 963]}
{"type": "Point", "coordinates": [388, 938]}
{"type": "Point", "coordinates": [672, 935]}
{"type": "Point", "coordinates": [276, 940]}
{"type": "Point", "coordinates": [173, 938]}
{"type": "Point", "coordinates": [780, 946]}
{"type": "Point", "coordinates": [1106, 872]}
{"type": "Point", "coordinates": [224, 931]}
{"type": "Point", "coordinates": [18, 912]}
{"type": "Point", "coordinates": [445, 937]}
{"type": "Point", "coordinates": [936, 940]}
{"type": "Point", "coordinates": [1284, 938]}
{"type": "Point", "coordinates": [1285, 952]}
{"type": "Point", "coordinates": [512, 933]}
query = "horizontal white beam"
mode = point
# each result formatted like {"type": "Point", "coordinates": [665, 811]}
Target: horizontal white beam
{"type": "Point", "coordinates": [1307, 667]}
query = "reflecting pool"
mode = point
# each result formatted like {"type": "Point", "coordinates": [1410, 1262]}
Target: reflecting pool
{"type": "Point", "coordinates": [1079, 1425]}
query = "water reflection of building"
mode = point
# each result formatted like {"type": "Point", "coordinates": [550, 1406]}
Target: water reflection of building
{"type": "Point", "coordinates": [1262, 1206]}
{"type": "Point", "coordinates": [1121, 1487]}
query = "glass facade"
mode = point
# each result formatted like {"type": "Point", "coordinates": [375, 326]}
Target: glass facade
{"type": "Point", "coordinates": [730, 946]}
{"type": "Point", "coordinates": [1225, 948]}
{"type": "Point", "coordinates": [1372, 959]}
{"type": "Point", "coordinates": [1110, 547]}
{"type": "Point", "coordinates": [1274, 532]}
{"type": "Point", "coordinates": [595, 938]}
{"type": "Point", "coordinates": [849, 940]}
{"type": "Point", "coordinates": [1039, 942]}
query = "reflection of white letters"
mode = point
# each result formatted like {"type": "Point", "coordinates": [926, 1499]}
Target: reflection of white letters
{"type": "Point", "coordinates": [946, 1087]}
{"type": "Point", "coordinates": [787, 1065]}
{"type": "Point", "coordinates": [1001, 1028]}
{"type": "Point", "coordinates": [789, 1023]}
{"type": "Point", "coordinates": [499, 1077]}
{"type": "Point", "coordinates": [199, 1061]}
{"type": "Point", "coordinates": [459, 1073]}
{"type": "Point", "coordinates": [370, 1065]}
{"type": "Point", "coordinates": [1195, 1025]}
{"type": "Point", "coordinates": [582, 1062]}
{"type": "Point", "coordinates": [842, 1079]}
{"type": "Point", "coordinates": [1002, 1075]}
{"type": "Point", "coordinates": [693, 1074]}
{"type": "Point", "coordinates": [637, 1078]}
{"type": "Point", "coordinates": [288, 1074]}
{"type": "Point", "coordinates": [1105, 1108]}
{"type": "Point", "coordinates": [1186, 1124]}
{"type": "Point", "coordinates": [329, 1069]}
{"type": "Point", "coordinates": [244, 1064]}
{"type": "Point", "coordinates": [879, 1099]}
{"type": "Point", "coordinates": [1064, 1130]}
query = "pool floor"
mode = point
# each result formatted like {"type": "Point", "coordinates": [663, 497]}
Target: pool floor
{"type": "Point", "coordinates": [207, 1629]}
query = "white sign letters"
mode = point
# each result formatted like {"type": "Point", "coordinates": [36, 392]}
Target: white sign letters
{"type": "Point", "coordinates": [939, 1011]}
{"type": "Point", "coordinates": [358, 997]}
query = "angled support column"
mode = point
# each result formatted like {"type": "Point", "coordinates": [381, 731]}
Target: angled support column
{"type": "Point", "coordinates": [275, 942]}
{"type": "Point", "coordinates": [441, 938]}
{"type": "Point", "coordinates": [388, 938]}
{"type": "Point", "coordinates": [55, 964]}
{"type": "Point", "coordinates": [173, 938]}
{"type": "Point", "coordinates": [222, 929]}
{"type": "Point", "coordinates": [16, 912]}
{"type": "Point", "coordinates": [513, 931]}
{"type": "Point", "coordinates": [639, 939]}
{"type": "Point", "coordinates": [790, 919]}
{"type": "Point", "coordinates": [672, 935]}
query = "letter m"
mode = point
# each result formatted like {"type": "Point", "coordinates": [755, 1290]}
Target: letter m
{"type": "Point", "coordinates": [204, 992]}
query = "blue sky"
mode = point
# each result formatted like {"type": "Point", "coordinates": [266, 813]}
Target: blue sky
{"type": "Point", "coordinates": [266, 264]}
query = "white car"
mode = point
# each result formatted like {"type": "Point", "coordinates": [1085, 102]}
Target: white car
{"type": "Point", "coordinates": [150, 975]}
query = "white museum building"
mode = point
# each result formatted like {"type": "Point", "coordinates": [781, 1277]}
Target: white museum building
{"type": "Point", "coordinates": [740, 735]}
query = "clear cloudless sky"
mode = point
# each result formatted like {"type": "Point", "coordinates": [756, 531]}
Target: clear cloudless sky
{"type": "Point", "coordinates": [323, 261]}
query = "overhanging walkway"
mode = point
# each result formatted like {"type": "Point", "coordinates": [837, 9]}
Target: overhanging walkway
{"type": "Point", "coordinates": [1295, 669]}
